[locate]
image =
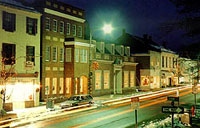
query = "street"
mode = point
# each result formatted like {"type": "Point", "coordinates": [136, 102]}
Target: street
{"type": "Point", "coordinates": [120, 115]}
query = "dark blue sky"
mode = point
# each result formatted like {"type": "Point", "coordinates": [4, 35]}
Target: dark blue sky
{"type": "Point", "coordinates": [138, 17]}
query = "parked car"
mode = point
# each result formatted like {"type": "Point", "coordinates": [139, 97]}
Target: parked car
{"type": "Point", "coordinates": [77, 100]}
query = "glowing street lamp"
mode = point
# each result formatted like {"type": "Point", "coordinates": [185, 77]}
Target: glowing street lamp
{"type": "Point", "coordinates": [107, 28]}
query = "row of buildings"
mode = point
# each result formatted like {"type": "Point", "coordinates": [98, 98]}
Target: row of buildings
{"type": "Point", "coordinates": [44, 55]}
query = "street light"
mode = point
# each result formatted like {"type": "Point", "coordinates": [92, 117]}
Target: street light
{"type": "Point", "coordinates": [107, 30]}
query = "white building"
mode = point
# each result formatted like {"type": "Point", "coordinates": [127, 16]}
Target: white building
{"type": "Point", "coordinates": [20, 54]}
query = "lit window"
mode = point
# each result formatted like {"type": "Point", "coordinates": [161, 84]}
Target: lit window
{"type": "Point", "coordinates": [9, 21]}
{"type": "Point", "coordinates": [126, 82]}
{"type": "Point", "coordinates": [31, 26]}
{"type": "Point", "coordinates": [61, 54]}
{"type": "Point", "coordinates": [74, 11]}
{"type": "Point", "coordinates": [47, 24]}
{"type": "Point", "coordinates": [30, 53]}
{"type": "Point", "coordinates": [74, 30]}
{"type": "Point", "coordinates": [47, 86]}
{"type": "Point", "coordinates": [68, 55]}
{"type": "Point", "coordinates": [54, 54]}
{"type": "Point", "coordinates": [68, 28]}
{"type": "Point", "coordinates": [54, 85]}
{"type": "Point", "coordinates": [61, 86]}
{"type": "Point", "coordinates": [132, 78]}
{"type": "Point", "coordinates": [97, 79]}
{"type": "Point", "coordinates": [48, 52]}
{"type": "Point", "coordinates": [68, 84]}
{"type": "Point", "coordinates": [76, 55]}
{"type": "Point", "coordinates": [80, 13]}
{"type": "Point", "coordinates": [55, 5]}
{"type": "Point", "coordinates": [68, 9]}
{"type": "Point", "coordinates": [106, 79]}
{"type": "Point", "coordinates": [61, 27]}
{"type": "Point", "coordinates": [79, 31]}
{"type": "Point", "coordinates": [55, 25]}
{"type": "Point", "coordinates": [62, 8]}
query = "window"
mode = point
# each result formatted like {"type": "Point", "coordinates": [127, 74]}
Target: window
{"type": "Point", "coordinates": [48, 3]}
{"type": "Point", "coordinates": [47, 86]}
{"type": "Point", "coordinates": [9, 21]}
{"type": "Point", "coordinates": [61, 86]}
{"type": "Point", "coordinates": [61, 54]}
{"type": "Point", "coordinates": [83, 55]}
{"type": "Point", "coordinates": [68, 84]}
{"type": "Point", "coordinates": [76, 55]}
{"type": "Point", "coordinates": [76, 86]}
{"type": "Point", "coordinates": [126, 81]}
{"type": "Point", "coordinates": [79, 31]}
{"type": "Point", "coordinates": [81, 84]}
{"type": "Point", "coordinates": [48, 53]}
{"type": "Point", "coordinates": [61, 27]}
{"type": "Point", "coordinates": [132, 78]}
{"type": "Point", "coordinates": [97, 79]}
{"type": "Point", "coordinates": [113, 49]}
{"type": "Point", "coordinates": [30, 53]}
{"type": "Point", "coordinates": [68, 55]}
{"type": "Point", "coordinates": [55, 5]}
{"type": "Point", "coordinates": [54, 88]}
{"type": "Point", "coordinates": [106, 79]}
{"type": "Point", "coordinates": [31, 26]}
{"type": "Point", "coordinates": [68, 28]}
{"type": "Point", "coordinates": [163, 61]}
{"type": "Point", "coordinates": [170, 62]}
{"type": "Point", "coordinates": [102, 47]}
{"type": "Point", "coordinates": [54, 54]}
{"type": "Point", "coordinates": [47, 24]}
{"type": "Point", "coordinates": [8, 53]}
{"type": "Point", "coordinates": [127, 51]}
{"type": "Point", "coordinates": [166, 62]}
{"type": "Point", "coordinates": [74, 30]}
{"type": "Point", "coordinates": [122, 50]}
{"type": "Point", "coordinates": [55, 25]}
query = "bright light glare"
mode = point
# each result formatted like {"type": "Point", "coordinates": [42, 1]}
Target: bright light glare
{"type": "Point", "coordinates": [107, 28]}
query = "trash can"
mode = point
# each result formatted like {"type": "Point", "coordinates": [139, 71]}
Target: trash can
{"type": "Point", "coordinates": [50, 103]}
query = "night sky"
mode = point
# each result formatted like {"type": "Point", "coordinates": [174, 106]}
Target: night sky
{"type": "Point", "coordinates": [138, 17]}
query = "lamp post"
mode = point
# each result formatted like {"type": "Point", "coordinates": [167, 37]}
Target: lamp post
{"type": "Point", "coordinates": [107, 30]}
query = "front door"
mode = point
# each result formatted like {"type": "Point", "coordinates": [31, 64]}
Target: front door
{"type": "Point", "coordinates": [118, 81]}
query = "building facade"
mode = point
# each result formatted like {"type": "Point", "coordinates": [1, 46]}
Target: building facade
{"type": "Point", "coordinates": [148, 72]}
{"type": "Point", "coordinates": [169, 69]}
{"type": "Point", "coordinates": [59, 21]}
{"type": "Point", "coordinates": [20, 54]}
{"type": "Point", "coordinates": [116, 72]}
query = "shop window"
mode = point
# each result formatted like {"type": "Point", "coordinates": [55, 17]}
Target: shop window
{"type": "Point", "coordinates": [54, 87]}
{"type": "Point", "coordinates": [47, 86]}
{"type": "Point", "coordinates": [9, 21]}
{"type": "Point", "coordinates": [126, 81]}
{"type": "Point", "coordinates": [97, 79]}
{"type": "Point", "coordinates": [106, 79]}
{"type": "Point", "coordinates": [68, 85]}
{"type": "Point", "coordinates": [132, 78]}
{"type": "Point", "coordinates": [61, 86]}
